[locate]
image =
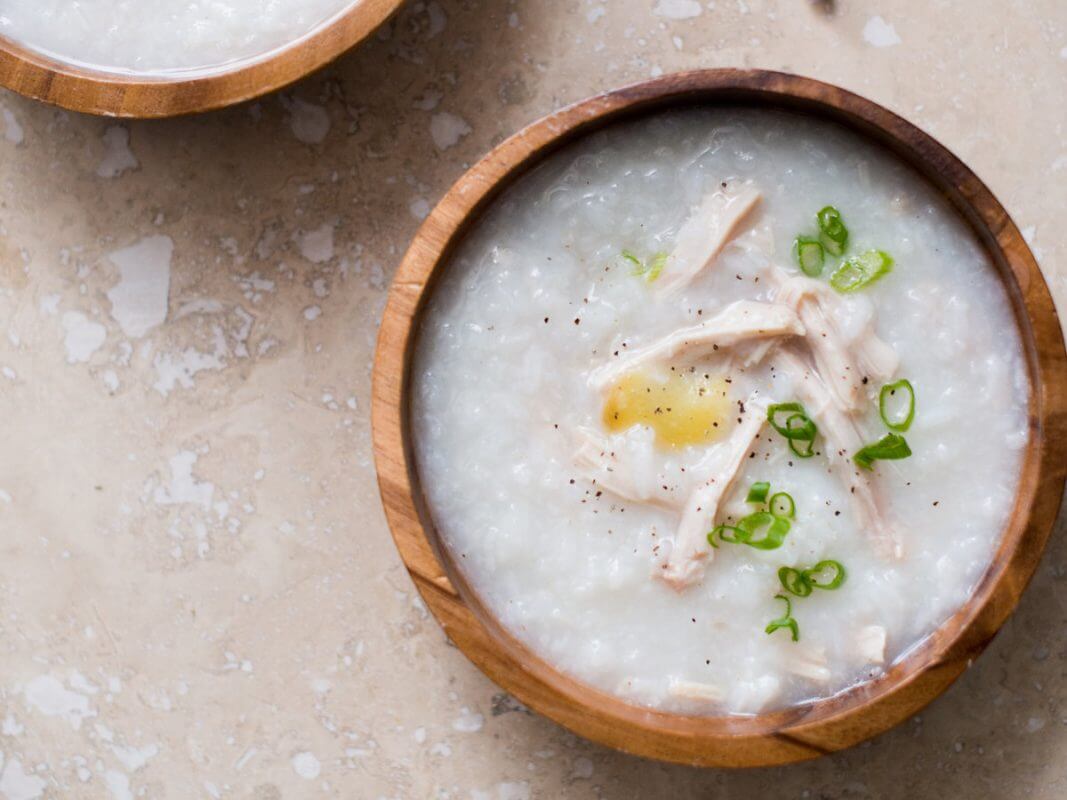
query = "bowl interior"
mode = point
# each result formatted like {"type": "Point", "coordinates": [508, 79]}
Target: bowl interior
{"type": "Point", "coordinates": [120, 93]}
{"type": "Point", "coordinates": [793, 733]}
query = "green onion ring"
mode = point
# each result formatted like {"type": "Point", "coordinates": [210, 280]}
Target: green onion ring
{"type": "Point", "coordinates": [795, 581]}
{"type": "Point", "coordinates": [883, 397]}
{"type": "Point", "coordinates": [861, 270]}
{"type": "Point", "coordinates": [758, 492]}
{"type": "Point", "coordinates": [815, 572]}
{"type": "Point", "coordinates": [890, 447]}
{"type": "Point", "coordinates": [781, 505]}
{"type": "Point", "coordinates": [785, 621]}
{"type": "Point", "coordinates": [810, 255]}
{"type": "Point", "coordinates": [804, 431]}
{"type": "Point", "coordinates": [777, 528]}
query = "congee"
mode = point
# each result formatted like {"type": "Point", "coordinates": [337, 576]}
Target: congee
{"type": "Point", "coordinates": [720, 410]}
{"type": "Point", "coordinates": [152, 36]}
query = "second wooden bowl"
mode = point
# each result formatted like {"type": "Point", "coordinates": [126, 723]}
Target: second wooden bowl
{"type": "Point", "coordinates": [115, 94]}
{"type": "Point", "coordinates": [791, 734]}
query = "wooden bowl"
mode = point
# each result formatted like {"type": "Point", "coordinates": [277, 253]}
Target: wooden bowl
{"type": "Point", "coordinates": [116, 94]}
{"type": "Point", "coordinates": [795, 733]}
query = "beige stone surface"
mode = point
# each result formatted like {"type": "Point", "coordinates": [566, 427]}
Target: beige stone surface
{"type": "Point", "coordinates": [198, 594]}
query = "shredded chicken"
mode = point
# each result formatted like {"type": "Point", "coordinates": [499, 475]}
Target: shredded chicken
{"type": "Point", "coordinates": [745, 320]}
{"type": "Point", "coordinates": [631, 480]}
{"type": "Point", "coordinates": [703, 236]}
{"type": "Point", "coordinates": [870, 642]}
{"type": "Point", "coordinates": [692, 690]}
{"type": "Point", "coordinates": [842, 440]}
{"type": "Point", "coordinates": [690, 552]}
{"type": "Point", "coordinates": [808, 661]}
{"type": "Point", "coordinates": [843, 365]}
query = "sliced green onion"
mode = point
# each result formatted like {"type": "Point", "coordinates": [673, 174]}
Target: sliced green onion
{"type": "Point", "coordinates": [832, 231]}
{"type": "Point", "coordinates": [782, 505]}
{"type": "Point", "coordinates": [798, 424]}
{"type": "Point", "coordinates": [888, 393]}
{"type": "Point", "coordinates": [758, 493]}
{"type": "Point", "coordinates": [785, 621]}
{"type": "Point", "coordinates": [809, 255]}
{"type": "Point", "coordinates": [890, 447]}
{"type": "Point", "coordinates": [798, 427]}
{"type": "Point", "coordinates": [649, 271]}
{"type": "Point", "coordinates": [629, 256]}
{"type": "Point", "coordinates": [816, 576]}
{"type": "Point", "coordinates": [655, 266]}
{"type": "Point", "coordinates": [794, 581]}
{"type": "Point", "coordinates": [861, 270]}
{"type": "Point", "coordinates": [827, 575]}
{"type": "Point", "coordinates": [777, 528]}
{"type": "Point", "coordinates": [747, 528]}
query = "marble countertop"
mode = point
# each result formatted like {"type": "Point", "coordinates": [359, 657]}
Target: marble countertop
{"type": "Point", "coordinates": [199, 597]}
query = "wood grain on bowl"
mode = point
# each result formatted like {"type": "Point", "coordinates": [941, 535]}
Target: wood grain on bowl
{"type": "Point", "coordinates": [145, 96]}
{"type": "Point", "coordinates": [795, 733]}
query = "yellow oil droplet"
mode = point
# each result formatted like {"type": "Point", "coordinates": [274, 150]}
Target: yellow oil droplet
{"type": "Point", "coordinates": [682, 408]}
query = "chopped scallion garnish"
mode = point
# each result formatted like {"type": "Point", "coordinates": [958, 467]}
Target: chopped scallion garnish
{"type": "Point", "coordinates": [827, 575]}
{"type": "Point", "coordinates": [861, 270]}
{"type": "Point", "coordinates": [774, 530]}
{"type": "Point", "coordinates": [809, 255]}
{"type": "Point", "coordinates": [649, 271]}
{"type": "Point", "coordinates": [890, 447]}
{"type": "Point", "coordinates": [891, 394]}
{"type": "Point", "coordinates": [833, 235]}
{"type": "Point", "coordinates": [758, 492]}
{"type": "Point", "coordinates": [781, 505]}
{"type": "Point", "coordinates": [785, 621]}
{"type": "Point", "coordinates": [798, 427]}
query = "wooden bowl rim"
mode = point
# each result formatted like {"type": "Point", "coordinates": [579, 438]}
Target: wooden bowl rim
{"type": "Point", "coordinates": [795, 733]}
{"type": "Point", "coordinates": [146, 96]}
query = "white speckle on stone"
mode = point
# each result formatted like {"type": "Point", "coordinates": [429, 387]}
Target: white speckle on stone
{"type": "Point", "coordinates": [48, 696]}
{"type": "Point", "coordinates": [8, 373]}
{"type": "Point", "coordinates": [879, 33]}
{"type": "Point", "coordinates": [428, 100]}
{"type": "Point", "coordinates": [1034, 724]}
{"type": "Point", "coordinates": [306, 765]}
{"type": "Point", "coordinates": [419, 208]}
{"type": "Point", "coordinates": [183, 487]}
{"type": "Point", "coordinates": [12, 130]}
{"type": "Point", "coordinates": [468, 721]}
{"type": "Point", "coordinates": [17, 784]}
{"type": "Point", "coordinates": [1063, 52]}
{"type": "Point", "coordinates": [118, 157]}
{"type": "Point", "coordinates": [49, 304]}
{"type": "Point", "coordinates": [139, 299]}
{"type": "Point", "coordinates": [317, 245]}
{"type": "Point", "coordinates": [447, 129]}
{"type": "Point", "coordinates": [133, 758]}
{"type": "Point", "coordinates": [419, 735]}
{"type": "Point", "coordinates": [309, 122]}
{"type": "Point", "coordinates": [677, 9]}
{"type": "Point", "coordinates": [84, 337]}
{"type": "Point", "coordinates": [118, 784]}
{"type": "Point", "coordinates": [513, 790]}
{"type": "Point", "coordinates": [583, 768]}
{"type": "Point", "coordinates": [513, 20]}
{"type": "Point", "coordinates": [11, 726]}
{"type": "Point", "coordinates": [312, 313]}
{"type": "Point", "coordinates": [593, 14]}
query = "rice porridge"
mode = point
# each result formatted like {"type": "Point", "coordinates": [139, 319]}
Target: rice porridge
{"type": "Point", "coordinates": [695, 409]}
{"type": "Point", "coordinates": [160, 36]}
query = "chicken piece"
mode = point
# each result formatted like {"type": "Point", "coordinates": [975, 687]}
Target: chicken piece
{"type": "Point", "coordinates": [713, 223]}
{"type": "Point", "coordinates": [842, 440]}
{"type": "Point", "coordinates": [692, 690]}
{"type": "Point", "coordinates": [745, 320]}
{"type": "Point", "coordinates": [870, 643]}
{"type": "Point", "coordinates": [633, 479]}
{"type": "Point", "coordinates": [843, 364]}
{"type": "Point", "coordinates": [689, 554]}
{"type": "Point", "coordinates": [808, 661]}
